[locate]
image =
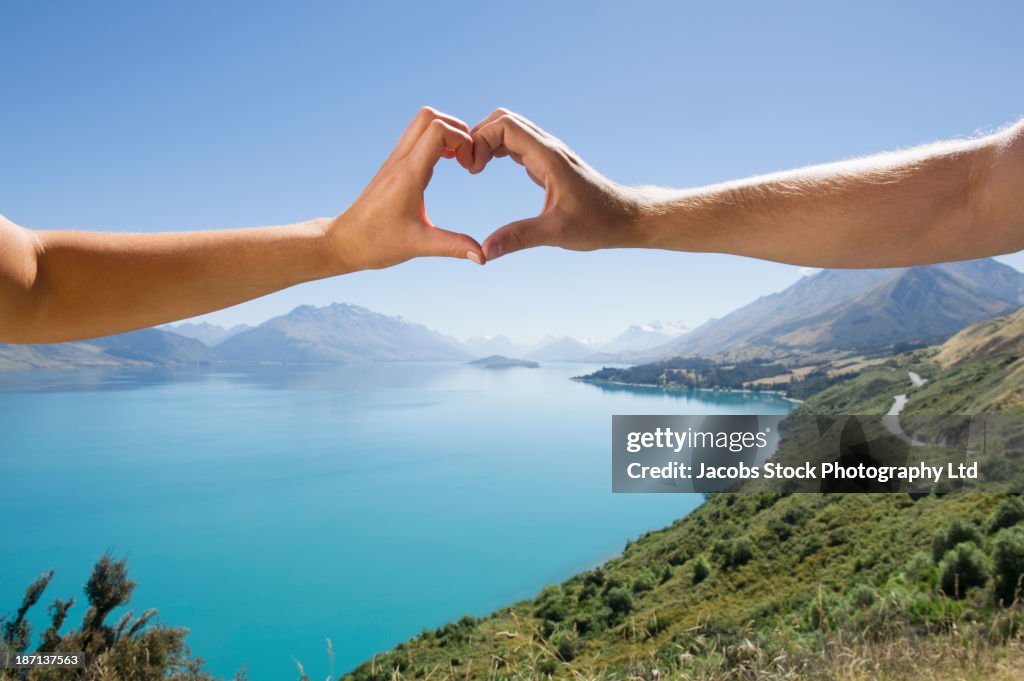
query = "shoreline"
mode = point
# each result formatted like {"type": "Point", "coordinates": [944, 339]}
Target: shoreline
{"type": "Point", "coordinates": [747, 391]}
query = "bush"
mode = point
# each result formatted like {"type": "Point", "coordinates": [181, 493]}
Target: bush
{"type": "Point", "coordinates": [643, 582]}
{"type": "Point", "coordinates": [701, 570]}
{"type": "Point", "coordinates": [1008, 557]}
{"type": "Point", "coordinates": [962, 568]}
{"type": "Point", "coordinates": [551, 604]}
{"type": "Point", "coordinates": [742, 552]}
{"type": "Point", "coordinates": [958, 532]}
{"type": "Point", "coordinates": [619, 600]}
{"type": "Point", "coordinates": [595, 577]}
{"type": "Point", "coordinates": [566, 644]}
{"type": "Point", "coordinates": [132, 647]}
{"type": "Point", "coordinates": [721, 551]}
{"type": "Point", "coordinates": [1007, 514]}
{"type": "Point", "coordinates": [666, 574]}
{"type": "Point", "coordinates": [921, 571]}
{"type": "Point", "coordinates": [863, 596]}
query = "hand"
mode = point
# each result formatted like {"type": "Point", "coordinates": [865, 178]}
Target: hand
{"type": "Point", "coordinates": [388, 223]}
{"type": "Point", "coordinates": [583, 210]}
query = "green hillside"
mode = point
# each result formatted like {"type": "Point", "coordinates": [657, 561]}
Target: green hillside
{"type": "Point", "coordinates": [783, 586]}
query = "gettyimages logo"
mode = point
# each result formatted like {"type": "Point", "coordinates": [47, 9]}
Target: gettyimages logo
{"type": "Point", "coordinates": [817, 454]}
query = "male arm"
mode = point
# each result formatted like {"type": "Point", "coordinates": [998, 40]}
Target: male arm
{"type": "Point", "coordinates": [947, 201]}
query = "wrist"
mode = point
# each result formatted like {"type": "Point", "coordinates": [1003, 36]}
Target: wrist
{"type": "Point", "coordinates": [646, 209]}
{"type": "Point", "coordinates": [333, 232]}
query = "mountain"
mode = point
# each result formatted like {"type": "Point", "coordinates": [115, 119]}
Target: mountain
{"type": "Point", "coordinates": [153, 346]}
{"type": "Point", "coordinates": [206, 333]}
{"type": "Point", "coordinates": [146, 347]}
{"type": "Point", "coordinates": [1002, 337]}
{"type": "Point", "coordinates": [638, 338]}
{"type": "Point", "coordinates": [564, 349]}
{"type": "Point", "coordinates": [338, 333]}
{"type": "Point", "coordinates": [857, 309]}
{"type": "Point", "coordinates": [484, 346]}
{"type": "Point", "coordinates": [731, 590]}
{"type": "Point", "coordinates": [632, 343]}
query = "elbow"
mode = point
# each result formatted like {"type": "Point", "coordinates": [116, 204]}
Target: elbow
{"type": "Point", "coordinates": [23, 290]}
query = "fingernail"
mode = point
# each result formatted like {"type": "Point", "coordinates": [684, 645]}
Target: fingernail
{"type": "Point", "coordinates": [497, 250]}
{"type": "Point", "coordinates": [474, 257]}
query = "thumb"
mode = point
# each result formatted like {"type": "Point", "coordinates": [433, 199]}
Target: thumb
{"type": "Point", "coordinates": [515, 236]}
{"type": "Point", "coordinates": [441, 242]}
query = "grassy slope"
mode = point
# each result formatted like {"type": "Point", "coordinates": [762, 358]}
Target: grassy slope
{"type": "Point", "coordinates": [812, 574]}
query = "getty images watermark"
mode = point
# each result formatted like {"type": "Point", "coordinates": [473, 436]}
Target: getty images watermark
{"type": "Point", "coordinates": [809, 453]}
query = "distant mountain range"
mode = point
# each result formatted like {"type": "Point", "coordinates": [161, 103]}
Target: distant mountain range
{"type": "Point", "coordinates": [208, 334]}
{"type": "Point", "coordinates": [861, 309]}
{"type": "Point", "coordinates": [339, 333]}
{"type": "Point", "coordinates": [831, 310]}
{"type": "Point", "coordinates": [145, 347]}
{"type": "Point", "coordinates": [638, 338]}
{"type": "Point", "coordinates": [485, 346]}
{"type": "Point", "coordinates": [635, 339]}
{"type": "Point", "coordinates": [563, 349]}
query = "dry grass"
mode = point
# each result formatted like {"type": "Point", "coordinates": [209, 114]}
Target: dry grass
{"type": "Point", "coordinates": [952, 656]}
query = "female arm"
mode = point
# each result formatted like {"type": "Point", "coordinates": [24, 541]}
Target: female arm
{"type": "Point", "coordinates": [68, 285]}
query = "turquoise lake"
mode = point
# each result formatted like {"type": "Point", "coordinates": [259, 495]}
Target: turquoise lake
{"type": "Point", "coordinates": [270, 509]}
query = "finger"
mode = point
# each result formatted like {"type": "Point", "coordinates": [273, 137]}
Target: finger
{"type": "Point", "coordinates": [418, 126]}
{"type": "Point", "coordinates": [441, 242]}
{"type": "Point", "coordinates": [507, 134]}
{"type": "Point", "coordinates": [515, 236]}
{"type": "Point", "coordinates": [431, 146]}
{"type": "Point", "coordinates": [501, 111]}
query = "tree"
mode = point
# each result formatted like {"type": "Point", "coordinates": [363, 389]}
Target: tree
{"type": "Point", "coordinates": [1009, 513]}
{"type": "Point", "coordinates": [1008, 559]}
{"type": "Point", "coordinates": [962, 568]}
{"type": "Point", "coordinates": [958, 532]}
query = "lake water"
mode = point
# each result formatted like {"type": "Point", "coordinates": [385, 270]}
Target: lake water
{"type": "Point", "coordinates": [270, 509]}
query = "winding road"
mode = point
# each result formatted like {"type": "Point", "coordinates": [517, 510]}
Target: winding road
{"type": "Point", "coordinates": [899, 402]}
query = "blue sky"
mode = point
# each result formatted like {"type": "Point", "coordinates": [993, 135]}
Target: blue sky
{"type": "Point", "coordinates": [190, 115]}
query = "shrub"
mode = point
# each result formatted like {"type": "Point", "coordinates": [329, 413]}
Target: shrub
{"type": "Point", "coordinates": [721, 551]}
{"type": "Point", "coordinates": [1007, 514]}
{"type": "Point", "coordinates": [742, 552]}
{"type": "Point", "coordinates": [551, 604]}
{"type": "Point", "coordinates": [810, 545]}
{"type": "Point", "coordinates": [619, 600]}
{"type": "Point", "coordinates": [643, 582]}
{"type": "Point", "coordinates": [1008, 557]}
{"type": "Point", "coordinates": [921, 570]}
{"type": "Point", "coordinates": [962, 568]}
{"type": "Point", "coordinates": [566, 644]}
{"type": "Point", "coordinates": [701, 570]}
{"type": "Point", "coordinates": [666, 574]}
{"type": "Point", "coordinates": [958, 532]}
{"type": "Point", "coordinates": [863, 596]}
{"type": "Point", "coordinates": [677, 558]}
{"type": "Point", "coordinates": [130, 648]}
{"type": "Point", "coordinates": [613, 582]}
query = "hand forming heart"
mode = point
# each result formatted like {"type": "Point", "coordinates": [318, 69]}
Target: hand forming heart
{"type": "Point", "coordinates": [387, 224]}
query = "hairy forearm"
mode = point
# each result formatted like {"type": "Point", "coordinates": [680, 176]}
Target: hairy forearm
{"type": "Point", "coordinates": [87, 284]}
{"type": "Point", "coordinates": [948, 201]}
